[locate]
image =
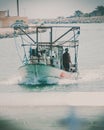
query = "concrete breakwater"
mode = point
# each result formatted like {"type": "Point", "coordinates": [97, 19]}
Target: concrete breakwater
{"type": "Point", "coordinates": [6, 32]}
{"type": "Point", "coordinates": [68, 20]}
{"type": "Point", "coordinates": [9, 32]}
{"type": "Point", "coordinates": [94, 19]}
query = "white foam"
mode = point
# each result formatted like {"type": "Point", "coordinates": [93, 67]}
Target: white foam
{"type": "Point", "coordinates": [91, 75]}
{"type": "Point", "coordinates": [85, 76]}
{"type": "Point", "coordinates": [11, 80]}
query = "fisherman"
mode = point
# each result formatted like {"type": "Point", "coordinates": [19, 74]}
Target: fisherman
{"type": "Point", "coordinates": [66, 60]}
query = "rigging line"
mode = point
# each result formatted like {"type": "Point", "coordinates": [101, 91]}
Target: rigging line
{"type": "Point", "coordinates": [63, 35]}
{"type": "Point", "coordinates": [17, 49]}
{"type": "Point", "coordinates": [26, 41]}
{"type": "Point", "coordinates": [76, 36]}
{"type": "Point", "coordinates": [27, 35]}
{"type": "Point", "coordinates": [23, 46]}
{"type": "Point", "coordinates": [25, 59]}
{"type": "Point", "coordinates": [63, 42]}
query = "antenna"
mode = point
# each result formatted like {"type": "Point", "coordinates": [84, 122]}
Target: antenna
{"type": "Point", "coordinates": [17, 7]}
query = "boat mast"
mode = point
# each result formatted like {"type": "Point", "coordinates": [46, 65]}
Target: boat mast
{"type": "Point", "coordinates": [51, 40]}
{"type": "Point", "coordinates": [37, 42]}
{"type": "Point", "coordinates": [76, 49]}
{"type": "Point", "coordinates": [17, 7]}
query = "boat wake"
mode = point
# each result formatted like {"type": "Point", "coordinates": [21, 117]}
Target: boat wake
{"type": "Point", "coordinates": [13, 80]}
{"type": "Point", "coordinates": [91, 75]}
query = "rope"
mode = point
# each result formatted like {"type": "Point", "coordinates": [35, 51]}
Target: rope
{"type": "Point", "coordinates": [26, 40]}
{"type": "Point", "coordinates": [17, 49]}
{"type": "Point", "coordinates": [25, 59]}
{"type": "Point", "coordinates": [23, 46]}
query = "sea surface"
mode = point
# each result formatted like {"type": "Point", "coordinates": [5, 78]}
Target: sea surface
{"type": "Point", "coordinates": [70, 105]}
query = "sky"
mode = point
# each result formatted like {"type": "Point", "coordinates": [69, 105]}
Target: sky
{"type": "Point", "coordinates": [49, 8]}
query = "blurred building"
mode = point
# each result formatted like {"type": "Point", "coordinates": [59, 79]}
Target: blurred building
{"type": "Point", "coordinates": [7, 21]}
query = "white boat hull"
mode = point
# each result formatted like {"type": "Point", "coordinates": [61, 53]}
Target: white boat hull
{"type": "Point", "coordinates": [40, 73]}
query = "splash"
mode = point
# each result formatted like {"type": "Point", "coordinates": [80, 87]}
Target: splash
{"type": "Point", "coordinates": [85, 76]}
{"type": "Point", "coordinates": [14, 79]}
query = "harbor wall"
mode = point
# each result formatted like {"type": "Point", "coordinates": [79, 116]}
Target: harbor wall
{"type": "Point", "coordinates": [8, 21]}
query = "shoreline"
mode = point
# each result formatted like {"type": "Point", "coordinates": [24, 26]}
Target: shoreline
{"type": "Point", "coordinates": [9, 32]}
{"type": "Point", "coordinates": [6, 32]}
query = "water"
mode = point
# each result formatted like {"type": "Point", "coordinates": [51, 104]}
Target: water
{"type": "Point", "coordinates": [70, 105]}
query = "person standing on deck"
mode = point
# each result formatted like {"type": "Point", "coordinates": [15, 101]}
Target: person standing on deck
{"type": "Point", "coordinates": [66, 60]}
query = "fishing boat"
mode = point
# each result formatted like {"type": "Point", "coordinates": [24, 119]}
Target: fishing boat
{"type": "Point", "coordinates": [42, 61]}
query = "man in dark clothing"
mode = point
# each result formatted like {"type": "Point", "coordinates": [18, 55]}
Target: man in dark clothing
{"type": "Point", "coordinates": [66, 60]}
